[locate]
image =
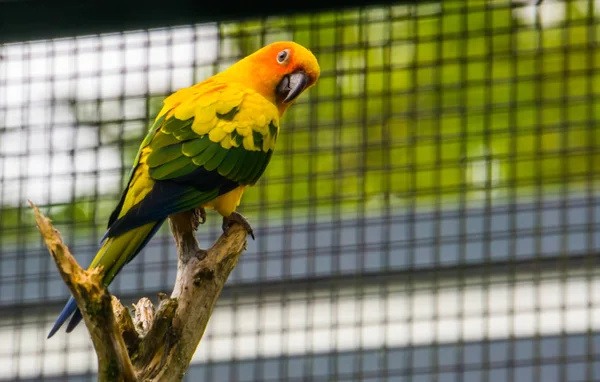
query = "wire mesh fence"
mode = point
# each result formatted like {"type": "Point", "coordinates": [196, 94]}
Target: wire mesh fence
{"type": "Point", "coordinates": [430, 213]}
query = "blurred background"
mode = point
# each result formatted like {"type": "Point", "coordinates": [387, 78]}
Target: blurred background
{"type": "Point", "coordinates": [430, 214]}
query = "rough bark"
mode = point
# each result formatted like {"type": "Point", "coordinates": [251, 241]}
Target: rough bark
{"type": "Point", "coordinates": [151, 345]}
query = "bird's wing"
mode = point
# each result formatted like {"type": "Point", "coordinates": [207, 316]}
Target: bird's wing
{"type": "Point", "coordinates": [207, 140]}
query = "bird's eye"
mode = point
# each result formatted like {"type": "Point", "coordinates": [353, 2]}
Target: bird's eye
{"type": "Point", "coordinates": [283, 56]}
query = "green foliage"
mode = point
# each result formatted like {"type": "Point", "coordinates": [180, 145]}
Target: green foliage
{"type": "Point", "coordinates": [414, 108]}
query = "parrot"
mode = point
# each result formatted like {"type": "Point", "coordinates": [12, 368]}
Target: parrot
{"type": "Point", "coordinates": [208, 143]}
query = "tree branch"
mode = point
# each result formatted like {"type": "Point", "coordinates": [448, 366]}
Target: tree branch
{"type": "Point", "coordinates": [160, 343]}
{"type": "Point", "coordinates": [94, 302]}
{"type": "Point", "coordinates": [155, 337]}
{"type": "Point", "coordinates": [201, 276]}
{"type": "Point", "coordinates": [143, 316]}
{"type": "Point", "coordinates": [126, 326]}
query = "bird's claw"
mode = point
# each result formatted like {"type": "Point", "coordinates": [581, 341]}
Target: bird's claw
{"type": "Point", "coordinates": [236, 217]}
{"type": "Point", "coordinates": [202, 215]}
{"type": "Point", "coordinates": [198, 217]}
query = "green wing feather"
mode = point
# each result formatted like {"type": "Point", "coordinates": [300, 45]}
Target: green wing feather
{"type": "Point", "coordinates": [228, 134]}
{"type": "Point", "coordinates": [177, 150]}
{"type": "Point", "coordinates": [183, 157]}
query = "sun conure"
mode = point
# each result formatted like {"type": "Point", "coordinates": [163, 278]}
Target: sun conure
{"type": "Point", "coordinates": [208, 143]}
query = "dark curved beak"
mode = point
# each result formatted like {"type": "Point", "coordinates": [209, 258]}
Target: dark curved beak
{"type": "Point", "coordinates": [291, 86]}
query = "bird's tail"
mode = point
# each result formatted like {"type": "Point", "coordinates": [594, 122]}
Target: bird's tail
{"type": "Point", "coordinates": [113, 255]}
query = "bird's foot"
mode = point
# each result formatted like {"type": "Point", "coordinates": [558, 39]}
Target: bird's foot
{"type": "Point", "coordinates": [236, 217]}
{"type": "Point", "coordinates": [199, 217]}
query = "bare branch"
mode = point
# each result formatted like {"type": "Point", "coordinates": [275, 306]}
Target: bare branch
{"type": "Point", "coordinates": [160, 343]}
{"type": "Point", "coordinates": [126, 327]}
{"type": "Point", "coordinates": [154, 340]}
{"type": "Point", "coordinates": [94, 302]}
{"type": "Point", "coordinates": [143, 315]}
{"type": "Point", "coordinates": [201, 276]}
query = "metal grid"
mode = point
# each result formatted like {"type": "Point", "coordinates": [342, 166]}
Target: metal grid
{"type": "Point", "coordinates": [429, 215]}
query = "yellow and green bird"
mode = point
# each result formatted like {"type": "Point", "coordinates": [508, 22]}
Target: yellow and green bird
{"type": "Point", "coordinates": [208, 143]}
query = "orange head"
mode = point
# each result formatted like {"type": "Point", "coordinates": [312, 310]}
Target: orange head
{"type": "Point", "coordinates": [280, 72]}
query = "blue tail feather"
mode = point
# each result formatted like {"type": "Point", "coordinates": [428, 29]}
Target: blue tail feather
{"type": "Point", "coordinates": [75, 320]}
{"type": "Point", "coordinates": [70, 308]}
